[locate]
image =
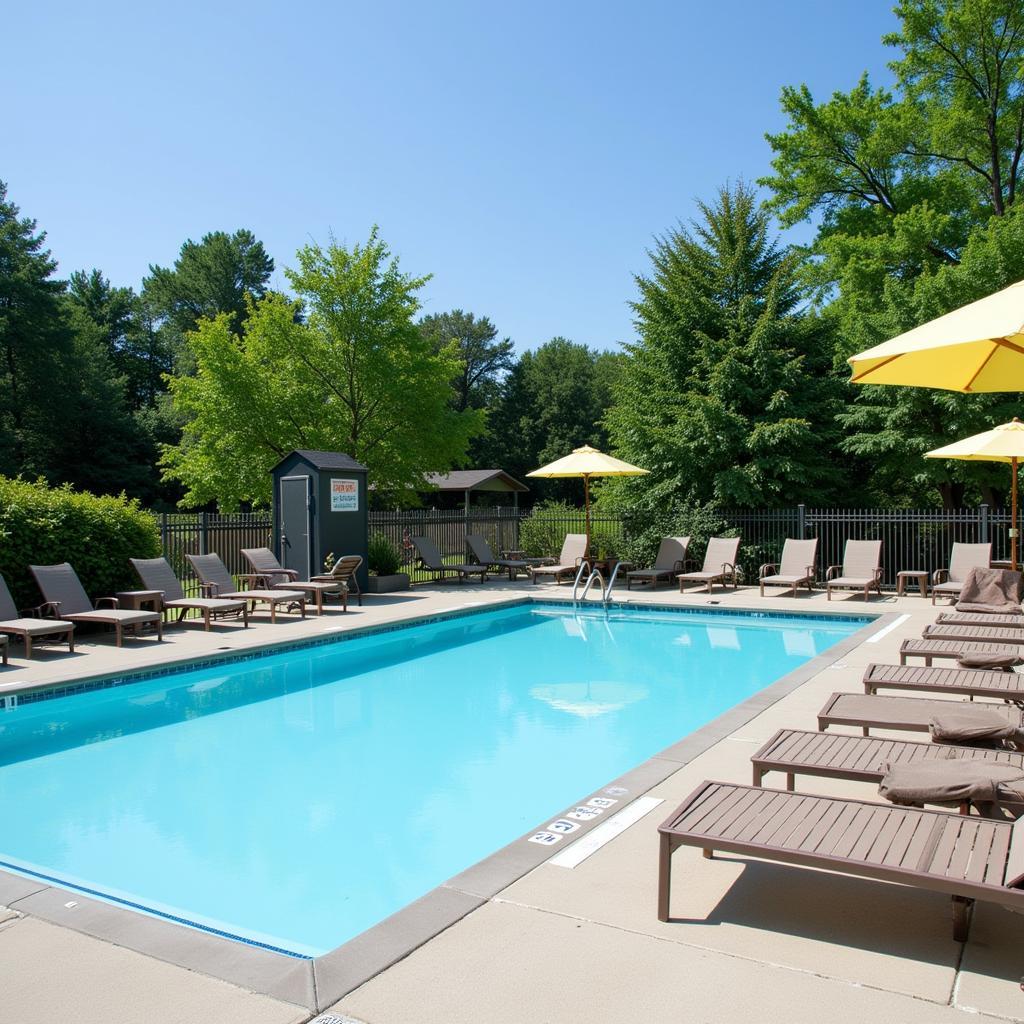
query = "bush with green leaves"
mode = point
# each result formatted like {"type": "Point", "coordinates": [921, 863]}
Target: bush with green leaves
{"type": "Point", "coordinates": [645, 531]}
{"type": "Point", "coordinates": [383, 558]}
{"type": "Point", "coordinates": [542, 532]}
{"type": "Point", "coordinates": [41, 525]}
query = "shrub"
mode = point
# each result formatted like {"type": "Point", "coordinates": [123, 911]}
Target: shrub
{"type": "Point", "coordinates": [42, 525]}
{"type": "Point", "coordinates": [383, 558]}
{"type": "Point", "coordinates": [646, 529]}
{"type": "Point", "coordinates": [542, 532]}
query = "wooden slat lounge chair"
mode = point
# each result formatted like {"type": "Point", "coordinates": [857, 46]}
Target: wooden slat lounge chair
{"type": "Point", "coordinates": [65, 598]}
{"type": "Point", "coordinates": [217, 582]}
{"type": "Point", "coordinates": [574, 551]}
{"type": "Point", "coordinates": [345, 571]}
{"type": "Point", "coordinates": [861, 569]}
{"type": "Point", "coordinates": [980, 619]}
{"type": "Point", "coordinates": [30, 628]}
{"type": "Point", "coordinates": [900, 714]}
{"type": "Point", "coordinates": [797, 566]}
{"type": "Point", "coordinates": [958, 855]}
{"type": "Point", "coordinates": [967, 682]}
{"type": "Point", "coordinates": [974, 634]}
{"type": "Point", "coordinates": [268, 573]}
{"type": "Point", "coordinates": [670, 561]}
{"type": "Point", "coordinates": [833, 755]}
{"type": "Point", "coordinates": [430, 558]}
{"type": "Point", "coordinates": [937, 647]}
{"type": "Point", "coordinates": [719, 564]}
{"type": "Point", "coordinates": [485, 556]}
{"type": "Point", "coordinates": [157, 574]}
{"type": "Point", "coordinates": [948, 582]}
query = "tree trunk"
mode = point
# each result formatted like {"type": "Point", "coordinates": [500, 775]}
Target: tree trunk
{"type": "Point", "coordinates": [952, 495]}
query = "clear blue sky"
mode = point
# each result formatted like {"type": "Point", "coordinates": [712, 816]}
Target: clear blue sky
{"type": "Point", "coordinates": [524, 154]}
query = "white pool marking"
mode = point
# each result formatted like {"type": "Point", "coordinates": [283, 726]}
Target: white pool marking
{"type": "Point", "coordinates": [886, 630]}
{"type": "Point", "coordinates": [605, 832]}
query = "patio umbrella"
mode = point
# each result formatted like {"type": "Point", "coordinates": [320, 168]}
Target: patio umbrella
{"type": "Point", "coordinates": [1004, 443]}
{"type": "Point", "coordinates": [979, 347]}
{"type": "Point", "coordinates": [587, 462]}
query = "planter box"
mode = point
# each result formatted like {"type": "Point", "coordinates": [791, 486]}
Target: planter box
{"type": "Point", "coordinates": [388, 584]}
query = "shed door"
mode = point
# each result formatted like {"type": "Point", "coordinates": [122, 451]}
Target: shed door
{"type": "Point", "coordinates": [296, 534]}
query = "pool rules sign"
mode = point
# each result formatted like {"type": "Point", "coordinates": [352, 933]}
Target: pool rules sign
{"type": "Point", "coordinates": [344, 495]}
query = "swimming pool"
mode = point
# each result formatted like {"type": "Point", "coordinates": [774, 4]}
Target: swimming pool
{"type": "Point", "coordinates": [297, 798]}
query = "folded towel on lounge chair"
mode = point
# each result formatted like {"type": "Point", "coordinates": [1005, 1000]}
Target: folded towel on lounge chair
{"type": "Point", "coordinates": [990, 659]}
{"type": "Point", "coordinates": [948, 781]}
{"type": "Point", "coordinates": [991, 590]}
{"type": "Point", "coordinates": [975, 727]}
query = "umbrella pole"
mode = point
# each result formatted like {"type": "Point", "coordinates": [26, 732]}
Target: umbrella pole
{"type": "Point", "coordinates": [1013, 517]}
{"type": "Point", "coordinates": [586, 502]}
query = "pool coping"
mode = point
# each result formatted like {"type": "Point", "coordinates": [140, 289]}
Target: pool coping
{"type": "Point", "coordinates": [316, 983]}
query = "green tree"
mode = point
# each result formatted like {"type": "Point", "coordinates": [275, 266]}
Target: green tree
{"type": "Point", "coordinates": [483, 359]}
{"type": "Point", "coordinates": [355, 374]}
{"type": "Point", "coordinates": [728, 396]}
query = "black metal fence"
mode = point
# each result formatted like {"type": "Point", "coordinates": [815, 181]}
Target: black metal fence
{"type": "Point", "coordinates": [911, 538]}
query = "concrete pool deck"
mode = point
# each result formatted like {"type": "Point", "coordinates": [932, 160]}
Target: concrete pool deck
{"type": "Point", "coordinates": [560, 943]}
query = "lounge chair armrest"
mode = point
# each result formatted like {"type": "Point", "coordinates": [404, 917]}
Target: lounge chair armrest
{"type": "Point", "coordinates": [112, 601]}
{"type": "Point", "coordinates": [940, 576]}
{"type": "Point", "coordinates": [208, 589]}
{"type": "Point", "coordinates": [832, 571]}
{"type": "Point", "coordinates": [48, 610]}
{"type": "Point", "coordinates": [678, 566]}
{"type": "Point", "coordinates": [764, 570]}
{"type": "Point", "coordinates": [691, 563]}
{"type": "Point", "coordinates": [728, 569]}
{"type": "Point", "coordinates": [292, 574]}
{"type": "Point", "coordinates": [812, 572]}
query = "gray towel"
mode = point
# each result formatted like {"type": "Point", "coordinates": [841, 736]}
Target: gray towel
{"type": "Point", "coordinates": [985, 659]}
{"type": "Point", "coordinates": [975, 727]}
{"type": "Point", "coordinates": [990, 590]}
{"type": "Point", "coordinates": [947, 781]}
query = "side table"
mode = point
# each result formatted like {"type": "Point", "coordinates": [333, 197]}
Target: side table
{"type": "Point", "coordinates": [134, 600]}
{"type": "Point", "coordinates": [921, 575]}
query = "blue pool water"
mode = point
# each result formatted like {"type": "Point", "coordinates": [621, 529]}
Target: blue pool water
{"type": "Point", "coordinates": [297, 799]}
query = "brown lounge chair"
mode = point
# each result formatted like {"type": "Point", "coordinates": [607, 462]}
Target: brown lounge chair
{"type": "Point", "coordinates": [861, 569]}
{"type": "Point", "coordinates": [719, 564]}
{"type": "Point", "coordinates": [797, 566]}
{"type": "Point", "coordinates": [833, 755]}
{"type": "Point", "coordinates": [30, 628]}
{"type": "Point", "coordinates": [267, 572]}
{"type": "Point", "coordinates": [967, 682]}
{"type": "Point", "coordinates": [65, 598]}
{"type": "Point", "coordinates": [901, 714]}
{"type": "Point", "coordinates": [216, 582]}
{"type": "Point", "coordinates": [574, 551]}
{"type": "Point", "coordinates": [962, 856]}
{"type": "Point", "coordinates": [939, 647]}
{"type": "Point", "coordinates": [980, 619]}
{"type": "Point", "coordinates": [670, 561]}
{"type": "Point", "coordinates": [948, 582]}
{"type": "Point", "coordinates": [430, 558]}
{"type": "Point", "coordinates": [485, 556]}
{"type": "Point", "coordinates": [974, 634]}
{"type": "Point", "coordinates": [157, 574]}
{"type": "Point", "coordinates": [344, 571]}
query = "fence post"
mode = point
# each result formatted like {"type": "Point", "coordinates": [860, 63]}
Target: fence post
{"type": "Point", "coordinates": [983, 522]}
{"type": "Point", "coordinates": [203, 536]}
{"type": "Point", "coordinates": [801, 521]}
{"type": "Point", "coordinates": [163, 533]}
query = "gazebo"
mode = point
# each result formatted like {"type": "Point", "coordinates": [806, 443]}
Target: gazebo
{"type": "Point", "coordinates": [465, 481]}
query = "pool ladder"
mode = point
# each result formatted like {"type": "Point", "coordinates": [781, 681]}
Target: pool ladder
{"type": "Point", "coordinates": [594, 576]}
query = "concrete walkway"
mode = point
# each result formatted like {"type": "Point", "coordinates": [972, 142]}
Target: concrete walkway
{"type": "Point", "coordinates": [748, 939]}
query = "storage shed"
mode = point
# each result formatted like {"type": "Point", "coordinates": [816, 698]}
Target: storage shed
{"type": "Point", "coordinates": [319, 508]}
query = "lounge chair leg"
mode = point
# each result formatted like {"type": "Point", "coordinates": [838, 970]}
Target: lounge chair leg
{"type": "Point", "coordinates": [664, 876]}
{"type": "Point", "coordinates": [708, 854]}
{"type": "Point", "coordinates": [5, 654]}
{"type": "Point", "coordinates": [961, 918]}
{"type": "Point", "coordinates": [159, 629]}
{"type": "Point", "coordinates": [117, 633]}
{"type": "Point", "coordinates": [206, 620]}
{"type": "Point", "coordinates": [71, 641]}
{"type": "Point", "coordinates": [28, 649]}
{"type": "Point", "coordinates": [790, 781]}
{"type": "Point", "coordinates": [245, 615]}
{"type": "Point", "coordinates": [273, 612]}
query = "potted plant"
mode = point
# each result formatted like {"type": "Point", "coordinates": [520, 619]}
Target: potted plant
{"type": "Point", "coordinates": [384, 560]}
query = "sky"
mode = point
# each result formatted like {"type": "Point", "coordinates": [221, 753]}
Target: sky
{"type": "Point", "coordinates": [525, 155]}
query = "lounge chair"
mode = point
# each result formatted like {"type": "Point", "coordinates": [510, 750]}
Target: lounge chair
{"type": "Point", "coordinates": [963, 856]}
{"type": "Point", "coordinates": [974, 634]}
{"type": "Point", "coordinates": [65, 598]}
{"type": "Point", "coordinates": [948, 582]}
{"type": "Point", "coordinates": [344, 571]}
{"type": "Point", "coordinates": [30, 628]}
{"type": "Point", "coordinates": [217, 582]}
{"type": "Point", "coordinates": [430, 558]}
{"type": "Point", "coordinates": [967, 682]}
{"type": "Point", "coordinates": [980, 619]}
{"type": "Point", "coordinates": [485, 556]}
{"type": "Point", "coordinates": [797, 566]}
{"type": "Point", "coordinates": [157, 574]}
{"type": "Point", "coordinates": [574, 551]}
{"type": "Point", "coordinates": [267, 572]}
{"type": "Point", "coordinates": [901, 714]}
{"type": "Point", "coordinates": [861, 569]}
{"type": "Point", "coordinates": [933, 647]}
{"type": "Point", "coordinates": [670, 561]}
{"type": "Point", "coordinates": [863, 758]}
{"type": "Point", "coordinates": [719, 564]}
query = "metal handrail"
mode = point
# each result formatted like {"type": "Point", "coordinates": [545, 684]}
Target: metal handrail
{"type": "Point", "coordinates": [595, 575]}
{"type": "Point", "coordinates": [584, 564]}
{"type": "Point", "coordinates": [611, 582]}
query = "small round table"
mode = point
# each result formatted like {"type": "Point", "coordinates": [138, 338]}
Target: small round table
{"type": "Point", "coordinates": [921, 575]}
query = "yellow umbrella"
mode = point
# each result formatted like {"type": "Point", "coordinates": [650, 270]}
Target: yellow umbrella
{"type": "Point", "coordinates": [979, 347]}
{"type": "Point", "coordinates": [1004, 443]}
{"type": "Point", "coordinates": [587, 462]}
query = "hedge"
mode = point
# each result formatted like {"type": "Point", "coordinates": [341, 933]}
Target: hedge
{"type": "Point", "coordinates": [42, 525]}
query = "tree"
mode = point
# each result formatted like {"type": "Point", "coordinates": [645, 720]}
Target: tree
{"type": "Point", "coordinates": [728, 396]}
{"type": "Point", "coordinates": [356, 374]}
{"type": "Point", "coordinates": [483, 360]}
